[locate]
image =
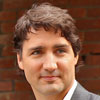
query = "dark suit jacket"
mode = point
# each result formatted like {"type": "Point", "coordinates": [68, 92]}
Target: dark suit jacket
{"type": "Point", "coordinates": [82, 94]}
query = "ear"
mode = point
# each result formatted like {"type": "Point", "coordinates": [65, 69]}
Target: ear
{"type": "Point", "coordinates": [76, 59]}
{"type": "Point", "coordinates": [19, 60]}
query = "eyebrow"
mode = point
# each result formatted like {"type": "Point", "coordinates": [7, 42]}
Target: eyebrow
{"type": "Point", "coordinates": [61, 46]}
{"type": "Point", "coordinates": [55, 46]}
{"type": "Point", "coordinates": [36, 48]}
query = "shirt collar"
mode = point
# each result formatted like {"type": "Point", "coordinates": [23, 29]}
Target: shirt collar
{"type": "Point", "coordinates": [71, 91]}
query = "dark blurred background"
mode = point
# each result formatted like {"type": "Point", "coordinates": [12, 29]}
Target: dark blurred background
{"type": "Point", "coordinates": [13, 86]}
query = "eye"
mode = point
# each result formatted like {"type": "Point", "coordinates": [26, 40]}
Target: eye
{"type": "Point", "coordinates": [60, 51]}
{"type": "Point", "coordinates": [37, 52]}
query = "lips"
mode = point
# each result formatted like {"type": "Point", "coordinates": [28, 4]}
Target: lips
{"type": "Point", "coordinates": [49, 78]}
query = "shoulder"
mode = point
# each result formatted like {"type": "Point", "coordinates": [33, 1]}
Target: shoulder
{"type": "Point", "coordinates": [93, 96]}
{"type": "Point", "coordinates": [81, 93]}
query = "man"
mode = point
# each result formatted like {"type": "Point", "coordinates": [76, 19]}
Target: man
{"type": "Point", "coordinates": [48, 47]}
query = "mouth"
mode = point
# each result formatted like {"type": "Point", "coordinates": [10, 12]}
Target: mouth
{"type": "Point", "coordinates": [49, 78]}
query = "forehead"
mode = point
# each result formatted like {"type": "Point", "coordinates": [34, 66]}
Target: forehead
{"type": "Point", "coordinates": [41, 36]}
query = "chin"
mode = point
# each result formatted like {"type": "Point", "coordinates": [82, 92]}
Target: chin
{"type": "Point", "coordinates": [51, 89]}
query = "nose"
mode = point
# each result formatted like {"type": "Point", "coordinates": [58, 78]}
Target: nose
{"type": "Point", "coordinates": [50, 63]}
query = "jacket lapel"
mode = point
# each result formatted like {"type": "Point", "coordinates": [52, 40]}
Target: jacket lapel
{"type": "Point", "coordinates": [80, 93]}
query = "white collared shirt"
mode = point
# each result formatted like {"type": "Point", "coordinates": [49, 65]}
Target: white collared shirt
{"type": "Point", "coordinates": [71, 91]}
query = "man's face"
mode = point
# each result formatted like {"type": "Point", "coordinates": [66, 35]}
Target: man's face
{"type": "Point", "coordinates": [48, 62]}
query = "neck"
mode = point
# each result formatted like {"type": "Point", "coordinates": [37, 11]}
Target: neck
{"type": "Point", "coordinates": [50, 97]}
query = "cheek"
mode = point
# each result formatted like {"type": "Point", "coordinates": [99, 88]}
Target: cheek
{"type": "Point", "coordinates": [32, 65]}
{"type": "Point", "coordinates": [68, 70]}
{"type": "Point", "coordinates": [66, 66]}
{"type": "Point", "coordinates": [31, 69]}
